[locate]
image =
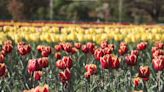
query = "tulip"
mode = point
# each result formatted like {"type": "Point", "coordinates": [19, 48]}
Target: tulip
{"type": "Point", "coordinates": [58, 47]}
{"type": "Point", "coordinates": [98, 53]}
{"type": "Point", "coordinates": [135, 52]}
{"type": "Point", "coordinates": [115, 62]}
{"type": "Point", "coordinates": [68, 62]}
{"type": "Point", "coordinates": [33, 66]}
{"type": "Point", "coordinates": [105, 61]}
{"type": "Point", "coordinates": [91, 68]}
{"type": "Point", "coordinates": [142, 46]}
{"type": "Point", "coordinates": [85, 49]}
{"type": "Point", "coordinates": [23, 48]}
{"type": "Point", "coordinates": [58, 55]}
{"type": "Point", "coordinates": [37, 75]}
{"type": "Point", "coordinates": [107, 50]}
{"type": "Point", "coordinates": [43, 62]}
{"type": "Point", "coordinates": [131, 60]}
{"type": "Point", "coordinates": [90, 46]}
{"type": "Point", "coordinates": [65, 75]}
{"type": "Point", "coordinates": [136, 81]}
{"type": "Point", "coordinates": [158, 53]}
{"type": "Point", "coordinates": [87, 75]}
{"type": "Point", "coordinates": [3, 69]}
{"type": "Point", "coordinates": [77, 45]}
{"type": "Point", "coordinates": [144, 72]}
{"type": "Point", "coordinates": [104, 44]}
{"type": "Point", "coordinates": [7, 48]}
{"type": "Point", "coordinates": [60, 64]}
{"type": "Point", "coordinates": [2, 58]}
{"type": "Point", "coordinates": [67, 47]}
{"type": "Point", "coordinates": [123, 50]}
{"type": "Point", "coordinates": [159, 45]}
{"type": "Point", "coordinates": [73, 50]}
{"type": "Point", "coordinates": [158, 64]}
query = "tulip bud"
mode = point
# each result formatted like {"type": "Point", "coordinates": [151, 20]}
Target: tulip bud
{"type": "Point", "coordinates": [131, 60]}
{"type": "Point", "coordinates": [3, 69]}
{"type": "Point", "coordinates": [43, 62]}
{"type": "Point", "coordinates": [77, 45]}
{"type": "Point", "coordinates": [104, 44]}
{"type": "Point", "coordinates": [85, 49]}
{"type": "Point", "coordinates": [58, 55]}
{"type": "Point", "coordinates": [136, 81]}
{"type": "Point", "coordinates": [158, 64]}
{"type": "Point", "coordinates": [105, 61]}
{"type": "Point", "coordinates": [91, 68]}
{"type": "Point", "coordinates": [135, 52]}
{"type": "Point", "coordinates": [68, 61]}
{"type": "Point", "coordinates": [32, 65]}
{"type": "Point", "coordinates": [2, 58]}
{"type": "Point", "coordinates": [60, 64]}
{"type": "Point", "coordinates": [98, 53]}
{"type": "Point", "coordinates": [37, 75]}
{"type": "Point", "coordinates": [144, 72]}
{"type": "Point", "coordinates": [115, 62]}
{"type": "Point", "coordinates": [65, 75]}
{"type": "Point", "coordinates": [142, 46]}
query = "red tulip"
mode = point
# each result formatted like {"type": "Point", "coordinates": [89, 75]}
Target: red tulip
{"type": "Point", "coordinates": [67, 47]}
{"type": "Point", "coordinates": [68, 62]}
{"type": "Point", "coordinates": [115, 62]}
{"type": "Point", "coordinates": [107, 50]}
{"type": "Point", "coordinates": [77, 45]}
{"type": "Point", "coordinates": [85, 49]}
{"type": "Point", "coordinates": [91, 68]}
{"type": "Point", "coordinates": [123, 50]}
{"type": "Point", "coordinates": [158, 64]}
{"type": "Point", "coordinates": [3, 69]}
{"type": "Point", "coordinates": [142, 46]}
{"type": "Point", "coordinates": [73, 50]}
{"type": "Point", "coordinates": [2, 58]}
{"type": "Point", "coordinates": [90, 46]}
{"type": "Point", "coordinates": [131, 60]}
{"type": "Point", "coordinates": [3, 52]}
{"type": "Point", "coordinates": [154, 49]}
{"type": "Point", "coordinates": [136, 81]}
{"type": "Point", "coordinates": [158, 53]}
{"type": "Point", "coordinates": [111, 46]}
{"type": "Point", "coordinates": [58, 55]}
{"type": "Point", "coordinates": [98, 53]}
{"type": "Point", "coordinates": [58, 47]}
{"type": "Point", "coordinates": [45, 88]}
{"type": "Point", "coordinates": [87, 75]}
{"type": "Point", "coordinates": [105, 61]}
{"type": "Point", "coordinates": [43, 62]}
{"type": "Point", "coordinates": [104, 44]}
{"type": "Point", "coordinates": [135, 52]}
{"type": "Point", "coordinates": [144, 72]}
{"type": "Point", "coordinates": [7, 48]}
{"type": "Point", "coordinates": [23, 48]}
{"type": "Point", "coordinates": [37, 75]}
{"type": "Point", "coordinates": [65, 75]}
{"type": "Point", "coordinates": [33, 66]}
{"type": "Point", "coordinates": [159, 45]}
{"type": "Point", "coordinates": [60, 64]}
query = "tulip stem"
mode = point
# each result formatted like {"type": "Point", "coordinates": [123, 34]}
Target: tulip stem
{"type": "Point", "coordinates": [158, 79]}
{"type": "Point", "coordinates": [145, 86]}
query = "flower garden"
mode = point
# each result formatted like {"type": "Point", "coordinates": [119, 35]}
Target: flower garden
{"type": "Point", "coordinates": [61, 57]}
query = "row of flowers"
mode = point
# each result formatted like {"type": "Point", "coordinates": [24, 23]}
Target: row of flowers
{"type": "Point", "coordinates": [49, 34]}
{"type": "Point", "coordinates": [100, 60]}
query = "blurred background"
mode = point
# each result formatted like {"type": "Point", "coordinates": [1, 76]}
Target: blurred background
{"type": "Point", "coordinates": [127, 11]}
